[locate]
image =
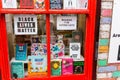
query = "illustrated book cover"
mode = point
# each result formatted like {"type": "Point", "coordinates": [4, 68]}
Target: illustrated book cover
{"type": "Point", "coordinates": [21, 52]}
{"type": "Point", "coordinates": [39, 4]}
{"type": "Point", "coordinates": [69, 4]}
{"type": "Point", "coordinates": [26, 4]}
{"type": "Point", "coordinates": [38, 49]}
{"type": "Point", "coordinates": [56, 4]}
{"type": "Point", "coordinates": [75, 50]}
{"type": "Point", "coordinates": [9, 3]}
{"type": "Point", "coordinates": [67, 66]}
{"type": "Point", "coordinates": [78, 67]}
{"type": "Point", "coordinates": [56, 67]}
{"type": "Point", "coordinates": [17, 70]}
{"type": "Point", "coordinates": [37, 64]}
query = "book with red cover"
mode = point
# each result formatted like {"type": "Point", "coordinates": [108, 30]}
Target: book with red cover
{"type": "Point", "coordinates": [26, 3]}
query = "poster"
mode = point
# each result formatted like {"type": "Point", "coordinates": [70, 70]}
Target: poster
{"type": "Point", "coordinates": [66, 22]}
{"type": "Point", "coordinates": [9, 3]}
{"type": "Point", "coordinates": [25, 24]}
{"type": "Point", "coordinates": [114, 49]}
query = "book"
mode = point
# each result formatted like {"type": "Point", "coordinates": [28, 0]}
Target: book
{"type": "Point", "coordinates": [37, 64]}
{"type": "Point", "coordinates": [26, 4]}
{"type": "Point", "coordinates": [69, 4]}
{"type": "Point", "coordinates": [82, 4]}
{"type": "Point", "coordinates": [21, 52]}
{"type": "Point", "coordinates": [77, 36]}
{"type": "Point", "coordinates": [17, 70]}
{"type": "Point", "coordinates": [25, 24]}
{"type": "Point", "coordinates": [56, 67]}
{"type": "Point", "coordinates": [57, 50]}
{"type": "Point", "coordinates": [56, 4]}
{"type": "Point", "coordinates": [67, 66]}
{"type": "Point", "coordinates": [35, 39]}
{"type": "Point", "coordinates": [75, 50]}
{"type": "Point", "coordinates": [39, 4]}
{"type": "Point", "coordinates": [9, 3]}
{"type": "Point", "coordinates": [38, 49]}
{"type": "Point", "coordinates": [78, 67]}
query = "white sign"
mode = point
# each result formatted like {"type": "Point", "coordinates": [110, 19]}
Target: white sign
{"type": "Point", "coordinates": [75, 50]}
{"type": "Point", "coordinates": [25, 24]}
{"type": "Point", "coordinates": [66, 22]}
{"type": "Point", "coordinates": [9, 3]}
{"type": "Point", "coordinates": [114, 50]}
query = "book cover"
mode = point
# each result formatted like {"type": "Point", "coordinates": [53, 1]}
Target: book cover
{"type": "Point", "coordinates": [39, 4]}
{"type": "Point", "coordinates": [17, 70]}
{"type": "Point", "coordinates": [67, 66]}
{"type": "Point", "coordinates": [38, 49]}
{"type": "Point", "coordinates": [9, 3]}
{"type": "Point", "coordinates": [77, 36]}
{"type": "Point", "coordinates": [37, 64]}
{"type": "Point", "coordinates": [35, 39]}
{"type": "Point", "coordinates": [57, 50]}
{"type": "Point", "coordinates": [56, 4]}
{"type": "Point", "coordinates": [75, 50]}
{"type": "Point", "coordinates": [82, 4]}
{"type": "Point", "coordinates": [21, 52]}
{"type": "Point", "coordinates": [25, 24]}
{"type": "Point", "coordinates": [43, 38]}
{"type": "Point", "coordinates": [26, 4]}
{"type": "Point", "coordinates": [78, 67]}
{"type": "Point", "coordinates": [56, 67]}
{"type": "Point", "coordinates": [69, 4]}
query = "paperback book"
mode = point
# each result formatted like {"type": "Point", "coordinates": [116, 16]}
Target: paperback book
{"type": "Point", "coordinates": [56, 4]}
{"type": "Point", "coordinates": [37, 64]}
{"type": "Point", "coordinates": [17, 70]}
{"type": "Point", "coordinates": [26, 4]}
{"type": "Point", "coordinates": [39, 4]}
{"type": "Point", "coordinates": [56, 67]}
{"type": "Point", "coordinates": [75, 50]}
{"type": "Point", "coordinates": [67, 66]}
{"type": "Point", "coordinates": [78, 67]}
{"type": "Point", "coordinates": [9, 3]}
{"type": "Point", "coordinates": [69, 4]}
{"type": "Point", "coordinates": [38, 49]}
{"type": "Point", "coordinates": [21, 52]}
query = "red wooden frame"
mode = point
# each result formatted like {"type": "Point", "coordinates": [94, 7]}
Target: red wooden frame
{"type": "Point", "coordinates": [89, 40]}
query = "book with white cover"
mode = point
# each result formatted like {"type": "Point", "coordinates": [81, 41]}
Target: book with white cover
{"type": "Point", "coordinates": [69, 4]}
{"type": "Point", "coordinates": [9, 3]}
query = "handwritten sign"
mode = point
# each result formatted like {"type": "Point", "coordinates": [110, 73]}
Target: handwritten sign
{"type": "Point", "coordinates": [66, 22]}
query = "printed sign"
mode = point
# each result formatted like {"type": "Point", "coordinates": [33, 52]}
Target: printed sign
{"type": "Point", "coordinates": [66, 22]}
{"type": "Point", "coordinates": [25, 24]}
{"type": "Point", "coordinates": [114, 50]}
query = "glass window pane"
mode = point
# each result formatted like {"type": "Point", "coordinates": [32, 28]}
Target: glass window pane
{"type": "Point", "coordinates": [27, 45]}
{"type": "Point", "coordinates": [67, 44]}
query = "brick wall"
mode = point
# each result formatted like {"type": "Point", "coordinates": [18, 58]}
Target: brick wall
{"type": "Point", "coordinates": [106, 71]}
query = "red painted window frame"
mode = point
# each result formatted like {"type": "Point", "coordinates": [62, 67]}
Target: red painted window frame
{"type": "Point", "coordinates": [88, 47]}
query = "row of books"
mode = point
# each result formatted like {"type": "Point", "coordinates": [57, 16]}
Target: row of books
{"type": "Point", "coordinates": [37, 66]}
{"type": "Point", "coordinates": [54, 4]}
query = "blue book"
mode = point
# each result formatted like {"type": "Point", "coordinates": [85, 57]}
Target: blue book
{"type": "Point", "coordinates": [17, 69]}
{"type": "Point", "coordinates": [21, 52]}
